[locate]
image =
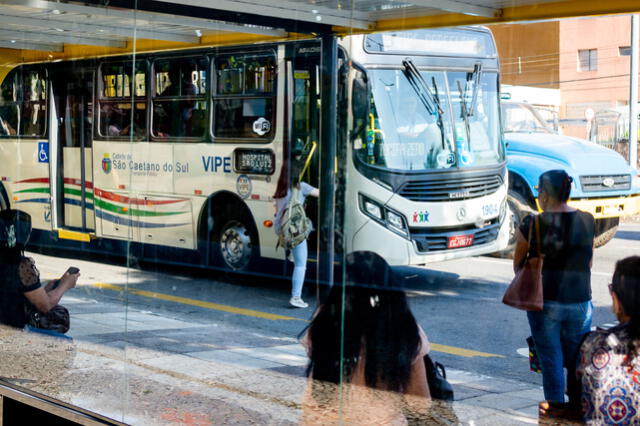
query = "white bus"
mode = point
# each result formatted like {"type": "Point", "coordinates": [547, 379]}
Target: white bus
{"type": "Point", "coordinates": [179, 152]}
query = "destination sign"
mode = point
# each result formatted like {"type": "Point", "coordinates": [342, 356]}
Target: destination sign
{"type": "Point", "coordinates": [254, 161]}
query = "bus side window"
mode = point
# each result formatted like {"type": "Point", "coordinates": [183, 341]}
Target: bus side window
{"type": "Point", "coordinates": [117, 82]}
{"type": "Point", "coordinates": [23, 103]}
{"type": "Point", "coordinates": [244, 98]}
{"type": "Point", "coordinates": [179, 102]}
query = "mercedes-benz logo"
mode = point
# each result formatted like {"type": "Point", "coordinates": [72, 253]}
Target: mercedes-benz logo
{"type": "Point", "coordinates": [462, 213]}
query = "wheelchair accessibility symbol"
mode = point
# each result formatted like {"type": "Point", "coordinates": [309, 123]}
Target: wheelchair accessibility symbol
{"type": "Point", "coordinates": [43, 152]}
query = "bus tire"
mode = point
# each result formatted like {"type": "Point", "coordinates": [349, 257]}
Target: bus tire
{"type": "Point", "coordinates": [519, 209]}
{"type": "Point", "coordinates": [605, 230]}
{"type": "Point", "coordinates": [234, 243]}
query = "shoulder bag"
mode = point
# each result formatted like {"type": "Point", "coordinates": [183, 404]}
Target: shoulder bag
{"type": "Point", "coordinates": [439, 386]}
{"type": "Point", "coordinates": [525, 290]}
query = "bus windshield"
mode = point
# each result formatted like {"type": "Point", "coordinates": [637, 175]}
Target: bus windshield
{"type": "Point", "coordinates": [425, 127]}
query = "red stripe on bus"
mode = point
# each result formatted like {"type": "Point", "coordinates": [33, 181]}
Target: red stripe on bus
{"type": "Point", "coordinates": [135, 201]}
{"type": "Point", "coordinates": [106, 194]}
{"type": "Point", "coordinates": [34, 180]}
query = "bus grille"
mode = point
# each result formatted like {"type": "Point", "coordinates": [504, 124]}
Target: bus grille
{"type": "Point", "coordinates": [451, 190]}
{"type": "Point", "coordinates": [605, 182]}
{"type": "Point", "coordinates": [428, 241]}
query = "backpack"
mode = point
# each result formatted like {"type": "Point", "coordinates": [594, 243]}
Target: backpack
{"type": "Point", "coordinates": [295, 226]}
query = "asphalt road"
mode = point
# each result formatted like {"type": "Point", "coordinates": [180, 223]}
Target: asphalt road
{"type": "Point", "coordinates": [456, 302]}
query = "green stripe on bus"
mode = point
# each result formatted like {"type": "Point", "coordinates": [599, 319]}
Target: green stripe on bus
{"type": "Point", "coordinates": [36, 190]}
{"type": "Point", "coordinates": [134, 212]}
{"type": "Point", "coordinates": [73, 191]}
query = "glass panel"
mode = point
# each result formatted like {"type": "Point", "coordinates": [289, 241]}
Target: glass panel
{"type": "Point", "coordinates": [477, 119]}
{"type": "Point", "coordinates": [245, 74]}
{"type": "Point", "coordinates": [24, 102]}
{"type": "Point", "coordinates": [121, 88]}
{"type": "Point", "coordinates": [179, 109]}
{"type": "Point", "coordinates": [243, 118]}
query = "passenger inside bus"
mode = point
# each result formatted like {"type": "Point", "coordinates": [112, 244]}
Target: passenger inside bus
{"type": "Point", "coordinates": [176, 117]}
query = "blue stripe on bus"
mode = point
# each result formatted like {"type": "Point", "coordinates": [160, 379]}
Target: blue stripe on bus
{"type": "Point", "coordinates": [35, 200]}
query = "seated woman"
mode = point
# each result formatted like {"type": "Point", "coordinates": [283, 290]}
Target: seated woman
{"type": "Point", "coordinates": [365, 338]}
{"type": "Point", "coordinates": [610, 364]}
{"type": "Point", "coordinates": [20, 285]}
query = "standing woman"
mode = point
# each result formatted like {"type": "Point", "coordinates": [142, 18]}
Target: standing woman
{"type": "Point", "coordinates": [291, 177]}
{"type": "Point", "coordinates": [566, 241]}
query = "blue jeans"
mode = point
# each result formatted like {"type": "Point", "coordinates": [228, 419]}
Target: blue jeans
{"type": "Point", "coordinates": [299, 268]}
{"type": "Point", "coordinates": [557, 332]}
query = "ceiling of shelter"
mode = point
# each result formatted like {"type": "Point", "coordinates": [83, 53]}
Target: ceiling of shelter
{"type": "Point", "coordinates": [68, 28]}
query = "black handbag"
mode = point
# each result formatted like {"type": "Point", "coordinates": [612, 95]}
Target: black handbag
{"type": "Point", "coordinates": [57, 319]}
{"type": "Point", "coordinates": [439, 387]}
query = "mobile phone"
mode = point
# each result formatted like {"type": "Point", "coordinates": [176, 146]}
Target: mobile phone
{"type": "Point", "coordinates": [73, 270]}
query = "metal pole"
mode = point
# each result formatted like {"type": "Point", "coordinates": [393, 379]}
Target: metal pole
{"type": "Point", "coordinates": [326, 219]}
{"type": "Point", "coordinates": [633, 93]}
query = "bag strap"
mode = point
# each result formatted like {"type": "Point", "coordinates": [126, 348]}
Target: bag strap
{"type": "Point", "coordinates": [538, 242]}
{"type": "Point", "coordinates": [531, 225]}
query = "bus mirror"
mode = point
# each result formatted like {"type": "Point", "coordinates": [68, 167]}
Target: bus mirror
{"type": "Point", "coordinates": [360, 97]}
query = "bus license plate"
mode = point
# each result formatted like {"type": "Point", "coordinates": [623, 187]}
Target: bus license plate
{"type": "Point", "coordinates": [458, 241]}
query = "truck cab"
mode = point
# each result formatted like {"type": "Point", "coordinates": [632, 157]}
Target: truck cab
{"type": "Point", "coordinates": [603, 182]}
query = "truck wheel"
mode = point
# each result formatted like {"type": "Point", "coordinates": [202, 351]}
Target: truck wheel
{"type": "Point", "coordinates": [605, 230]}
{"type": "Point", "coordinates": [234, 241]}
{"type": "Point", "coordinates": [519, 209]}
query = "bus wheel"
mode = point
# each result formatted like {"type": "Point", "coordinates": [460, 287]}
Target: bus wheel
{"type": "Point", "coordinates": [519, 209]}
{"type": "Point", "coordinates": [605, 230]}
{"type": "Point", "coordinates": [235, 245]}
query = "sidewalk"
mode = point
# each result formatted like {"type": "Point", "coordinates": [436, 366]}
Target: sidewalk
{"type": "Point", "coordinates": [146, 369]}
{"type": "Point", "coordinates": [161, 370]}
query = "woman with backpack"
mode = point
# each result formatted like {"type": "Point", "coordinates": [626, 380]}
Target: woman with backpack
{"type": "Point", "coordinates": [290, 182]}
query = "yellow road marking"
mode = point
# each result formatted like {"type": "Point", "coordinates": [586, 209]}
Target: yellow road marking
{"type": "Point", "coordinates": [467, 353]}
{"type": "Point", "coordinates": [198, 303]}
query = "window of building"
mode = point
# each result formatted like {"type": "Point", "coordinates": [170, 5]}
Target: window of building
{"type": "Point", "coordinates": [179, 98]}
{"type": "Point", "coordinates": [588, 60]}
{"type": "Point", "coordinates": [23, 103]}
{"type": "Point", "coordinates": [122, 92]}
{"type": "Point", "coordinates": [244, 99]}
{"type": "Point", "coordinates": [624, 50]}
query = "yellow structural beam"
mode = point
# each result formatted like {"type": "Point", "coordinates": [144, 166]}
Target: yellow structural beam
{"type": "Point", "coordinates": [538, 11]}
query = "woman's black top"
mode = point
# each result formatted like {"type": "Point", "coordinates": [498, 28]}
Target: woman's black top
{"type": "Point", "coordinates": [567, 245]}
{"type": "Point", "coordinates": [16, 278]}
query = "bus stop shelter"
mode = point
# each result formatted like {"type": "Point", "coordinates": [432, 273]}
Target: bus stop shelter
{"type": "Point", "coordinates": [51, 30]}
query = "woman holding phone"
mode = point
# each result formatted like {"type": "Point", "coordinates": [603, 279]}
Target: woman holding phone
{"type": "Point", "coordinates": [21, 291]}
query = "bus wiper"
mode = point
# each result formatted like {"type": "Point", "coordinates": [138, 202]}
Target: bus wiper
{"type": "Point", "coordinates": [477, 74]}
{"type": "Point", "coordinates": [466, 111]}
{"type": "Point", "coordinates": [436, 97]}
{"type": "Point", "coordinates": [430, 102]}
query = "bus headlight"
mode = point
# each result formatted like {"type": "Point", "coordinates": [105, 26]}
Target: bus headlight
{"type": "Point", "coordinates": [395, 220]}
{"type": "Point", "coordinates": [372, 209]}
{"type": "Point", "coordinates": [635, 182]}
{"type": "Point", "coordinates": [384, 215]}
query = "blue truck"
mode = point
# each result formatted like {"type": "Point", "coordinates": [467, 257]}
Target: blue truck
{"type": "Point", "coordinates": [603, 183]}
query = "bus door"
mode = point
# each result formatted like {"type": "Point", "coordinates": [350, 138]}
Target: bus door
{"type": "Point", "coordinates": [303, 95]}
{"type": "Point", "coordinates": [70, 145]}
